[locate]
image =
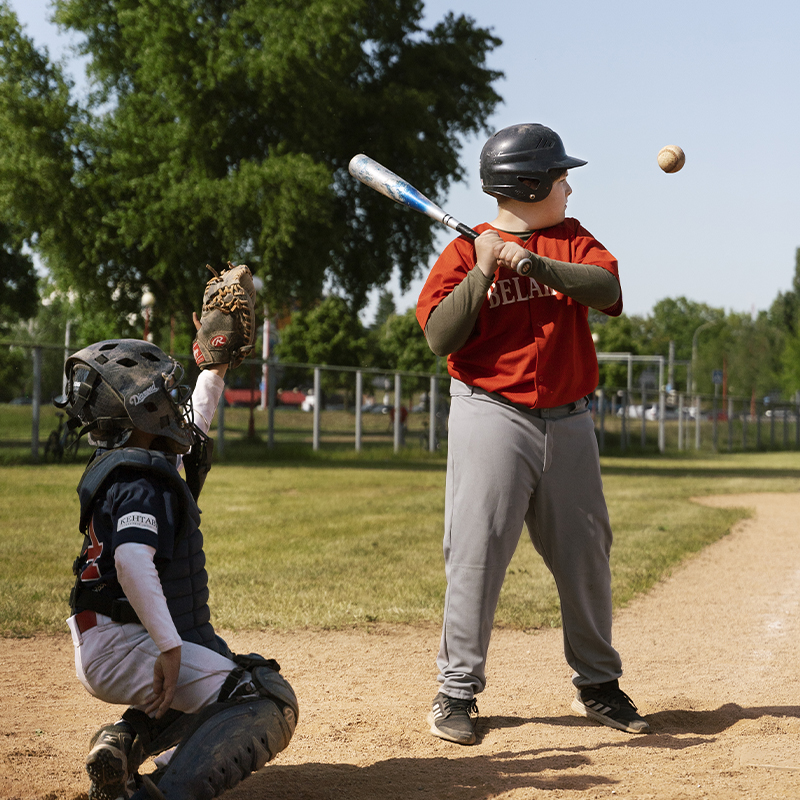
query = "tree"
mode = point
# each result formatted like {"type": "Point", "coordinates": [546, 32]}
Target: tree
{"type": "Point", "coordinates": [386, 307]}
{"type": "Point", "coordinates": [752, 351]}
{"type": "Point", "coordinates": [18, 291]}
{"type": "Point", "coordinates": [403, 345]}
{"type": "Point", "coordinates": [676, 320]}
{"type": "Point", "coordinates": [622, 334]}
{"type": "Point", "coordinates": [327, 334]}
{"type": "Point", "coordinates": [223, 130]}
{"type": "Point", "coordinates": [785, 315]}
{"type": "Point", "coordinates": [785, 309]}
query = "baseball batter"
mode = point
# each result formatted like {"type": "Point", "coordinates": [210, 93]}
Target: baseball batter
{"type": "Point", "coordinates": [140, 617]}
{"type": "Point", "coordinates": [521, 443]}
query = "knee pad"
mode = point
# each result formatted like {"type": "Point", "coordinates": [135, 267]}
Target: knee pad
{"type": "Point", "coordinates": [232, 739]}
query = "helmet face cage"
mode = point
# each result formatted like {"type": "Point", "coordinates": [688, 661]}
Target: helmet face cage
{"type": "Point", "coordinates": [524, 153]}
{"type": "Point", "coordinates": [121, 384]}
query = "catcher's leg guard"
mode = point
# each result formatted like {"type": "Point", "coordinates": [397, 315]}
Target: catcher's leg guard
{"type": "Point", "coordinates": [229, 741]}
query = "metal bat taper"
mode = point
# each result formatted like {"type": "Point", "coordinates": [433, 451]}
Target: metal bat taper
{"type": "Point", "coordinates": [382, 180]}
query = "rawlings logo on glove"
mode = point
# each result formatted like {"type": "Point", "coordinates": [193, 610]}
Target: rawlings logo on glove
{"type": "Point", "coordinates": [226, 331]}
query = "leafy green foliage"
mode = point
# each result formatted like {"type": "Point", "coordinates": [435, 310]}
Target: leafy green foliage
{"type": "Point", "coordinates": [748, 349]}
{"type": "Point", "coordinates": [223, 130]}
{"type": "Point", "coordinates": [401, 345]}
{"type": "Point", "coordinates": [18, 295]}
{"type": "Point", "coordinates": [326, 334]}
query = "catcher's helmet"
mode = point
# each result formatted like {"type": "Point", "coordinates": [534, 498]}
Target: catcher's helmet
{"type": "Point", "coordinates": [121, 384]}
{"type": "Point", "coordinates": [523, 151]}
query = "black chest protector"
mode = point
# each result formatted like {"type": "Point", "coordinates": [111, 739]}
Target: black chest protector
{"type": "Point", "coordinates": [184, 579]}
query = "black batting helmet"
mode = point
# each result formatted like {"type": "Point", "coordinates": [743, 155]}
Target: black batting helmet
{"type": "Point", "coordinates": [121, 384]}
{"type": "Point", "coordinates": [531, 152]}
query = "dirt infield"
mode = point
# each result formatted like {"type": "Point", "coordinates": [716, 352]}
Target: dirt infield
{"type": "Point", "coordinates": [710, 656]}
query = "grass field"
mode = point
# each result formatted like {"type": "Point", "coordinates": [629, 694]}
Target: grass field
{"type": "Point", "coordinates": [330, 541]}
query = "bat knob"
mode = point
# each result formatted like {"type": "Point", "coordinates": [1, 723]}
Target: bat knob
{"type": "Point", "coordinates": [523, 266]}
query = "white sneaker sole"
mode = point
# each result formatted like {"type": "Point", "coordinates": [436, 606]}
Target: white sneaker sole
{"type": "Point", "coordinates": [584, 711]}
{"type": "Point", "coordinates": [438, 732]}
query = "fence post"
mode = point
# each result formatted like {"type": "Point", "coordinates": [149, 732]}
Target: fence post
{"type": "Point", "coordinates": [796, 425]}
{"type": "Point", "coordinates": [730, 424]}
{"type": "Point", "coordinates": [359, 394]}
{"type": "Point", "coordinates": [680, 421]}
{"type": "Point", "coordinates": [317, 404]}
{"type": "Point", "coordinates": [434, 405]}
{"type": "Point", "coordinates": [624, 428]}
{"type": "Point", "coordinates": [37, 402]}
{"type": "Point", "coordinates": [698, 415]}
{"type": "Point", "coordinates": [714, 423]}
{"type": "Point", "coordinates": [398, 422]}
{"type": "Point", "coordinates": [272, 399]}
{"type": "Point", "coordinates": [662, 405]}
{"type": "Point", "coordinates": [745, 412]}
{"type": "Point", "coordinates": [758, 428]}
{"type": "Point", "coordinates": [644, 417]}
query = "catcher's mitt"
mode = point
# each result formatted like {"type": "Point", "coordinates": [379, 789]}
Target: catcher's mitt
{"type": "Point", "coordinates": [226, 331]}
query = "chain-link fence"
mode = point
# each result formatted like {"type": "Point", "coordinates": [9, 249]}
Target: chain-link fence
{"type": "Point", "coordinates": [264, 401]}
{"type": "Point", "coordinates": [274, 404]}
{"type": "Point", "coordinates": [643, 421]}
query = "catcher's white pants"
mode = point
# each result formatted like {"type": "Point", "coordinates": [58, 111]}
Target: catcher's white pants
{"type": "Point", "coordinates": [115, 663]}
{"type": "Point", "coordinates": [506, 467]}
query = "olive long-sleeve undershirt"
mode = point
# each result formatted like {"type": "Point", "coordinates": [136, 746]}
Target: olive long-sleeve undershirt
{"type": "Point", "coordinates": [451, 322]}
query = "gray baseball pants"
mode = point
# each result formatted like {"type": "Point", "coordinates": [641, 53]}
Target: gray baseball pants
{"type": "Point", "coordinates": [506, 466]}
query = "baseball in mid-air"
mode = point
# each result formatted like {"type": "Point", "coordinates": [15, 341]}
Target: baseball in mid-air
{"type": "Point", "coordinates": [671, 158]}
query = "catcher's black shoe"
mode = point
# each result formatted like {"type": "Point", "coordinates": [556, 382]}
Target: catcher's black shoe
{"type": "Point", "coordinates": [450, 719]}
{"type": "Point", "coordinates": [107, 763]}
{"type": "Point", "coordinates": [608, 704]}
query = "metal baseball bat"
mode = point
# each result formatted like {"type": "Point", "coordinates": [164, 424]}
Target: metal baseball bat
{"type": "Point", "coordinates": [382, 180]}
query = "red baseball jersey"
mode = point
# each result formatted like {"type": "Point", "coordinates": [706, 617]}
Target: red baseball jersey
{"type": "Point", "coordinates": [530, 343]}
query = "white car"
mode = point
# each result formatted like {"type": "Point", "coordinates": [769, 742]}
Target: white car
{"type": "Point", "coordinates": [308, 403]}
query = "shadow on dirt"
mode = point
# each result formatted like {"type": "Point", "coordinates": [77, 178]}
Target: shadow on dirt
{"type": "Point", "coordinates": [712, 722]}
{"type": "Point", "coordinates": [469, 775]}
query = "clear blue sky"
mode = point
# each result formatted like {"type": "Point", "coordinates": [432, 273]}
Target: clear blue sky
{"type": "Point", "coordinates": [618, 81]}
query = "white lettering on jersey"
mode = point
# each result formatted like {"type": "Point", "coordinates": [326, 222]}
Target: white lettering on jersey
{"type": "Point", "coordinates": [503, 293]}
{"type": "Point", "coordinates": [137, 520]}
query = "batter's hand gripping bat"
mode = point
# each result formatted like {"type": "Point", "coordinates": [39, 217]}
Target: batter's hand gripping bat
{"type": "Point", "coordinates": [382, 180]}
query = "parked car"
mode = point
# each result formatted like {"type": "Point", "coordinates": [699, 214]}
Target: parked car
{"type": "Point", "coordinates": [376, 408]}
{"type": "Point", "coordinates": [780, 413]}
{"type": "Point", "coordinates": [308, 402]}
{"type": "Point", "coordinates": [246, 397]}
{"type": "Point", "coordinates": [290, 397]}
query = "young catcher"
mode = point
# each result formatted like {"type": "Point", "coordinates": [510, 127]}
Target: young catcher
{"type": "Point", "coordinates": [140, 618]}
{"type": "Point", "coordinates": [521, 443]}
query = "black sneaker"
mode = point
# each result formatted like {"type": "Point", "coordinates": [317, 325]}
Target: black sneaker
{"type": "Point", "coordinates": [450, 719]}
{"type": "Point", "coordinates": [608, 704]}
{"type": "Point", "coordinates": [107, 763]}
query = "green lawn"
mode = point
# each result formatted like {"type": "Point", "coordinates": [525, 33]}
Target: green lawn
{"type": "Point", "coordinates": [334, 540]}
